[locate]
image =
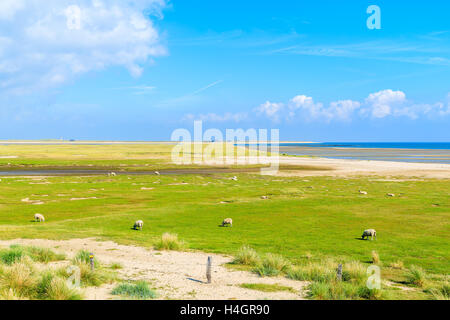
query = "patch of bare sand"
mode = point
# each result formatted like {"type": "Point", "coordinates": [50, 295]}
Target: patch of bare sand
{"type": "Point", "coordinates": [344, 168]}
{"type": "Point", "coordinates": [175, 275]}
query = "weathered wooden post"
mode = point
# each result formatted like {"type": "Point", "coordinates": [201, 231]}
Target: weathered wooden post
{"type": "Point", "coordinates": [208, 269]}
{"type": "Point", "coordinates": [91, 259]}
{"type": "Point", "coordinates": [339, 272]}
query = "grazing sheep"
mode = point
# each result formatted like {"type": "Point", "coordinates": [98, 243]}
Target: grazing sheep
{"type": "Point", "coordinates": [138, 225]}
{"type": "Point", "coordinates": [112, 174]}
{"type": "Point", "coordinates": [369, 233]}
{"type": "Point", "coordinates": [227, 221]}
{"type": "Point", "coordinates": [157, 173]}
{"type": "Point", "coordinates": [363, 192]}
{"type": "Point", "coordinates": [234, 178]}
{"type": "Point", "coordinates": [391, 195]}
{"type": "Point", "coordinates": [264, 197]}
{"type": "Point", "coordinates": [39, 217]}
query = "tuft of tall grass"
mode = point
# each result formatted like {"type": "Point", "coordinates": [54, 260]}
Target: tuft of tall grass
{"type": "Point", "coordinates": [247, 256]}
{"type": "Point", "coordinates": [53, 287]}
{"type": "Point", "coordinates": [441, 293]}
{"type": "Point", "coordinates": [375, 257]}
{"type": "Point", "coordinates": [59, 290]}
{"type": "Point", "coordinates": [397, 265]}
{"type": "Point", "coordinates": [11, 255]}
{"type": "Point", "coordinates": [416, 276]}
{"type": "Point", "coordinates": [20, 278]}
{"type": "Point", "coordinates": [10, 294]}
{"type": "Point", "coordinates": [340, 290]}
{"type": "Point", "coordinates": [272, 265]}
{"type": "Point", "coordinates": [43, 254]}
{"type": "Point", "coordinates": [83, 256]}
{"type": "Point", "coordinates": [138, 290]}
{"type": "Point", "coordinates": [17, 252]}
{"type": "Point", "coordinates": [169, 241]}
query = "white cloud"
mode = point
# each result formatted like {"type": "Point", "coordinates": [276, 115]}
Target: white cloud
{"type": "Point", "coordinates": [51, 42]}
{"type": "Point", "coordinates": [378, 105]}
{"type": "Point", "coordinates": [270, 110]}
{"type": "Point", "coordinates": [382, 103]}
{"type": "Point", "coordinates": [8, 8]}
{"type": "Point", "coordinates": [307, 104]}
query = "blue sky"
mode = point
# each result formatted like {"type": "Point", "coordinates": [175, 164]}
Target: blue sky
{"type": "Point", "coordinates": [139, 69]}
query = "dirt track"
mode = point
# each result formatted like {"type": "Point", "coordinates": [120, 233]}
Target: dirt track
{"type": "Point", "coordinates": [175, 275]}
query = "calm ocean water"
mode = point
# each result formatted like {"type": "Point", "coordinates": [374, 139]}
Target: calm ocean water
{"type": "Point", "coordinates": [380, 145]}
{"type": "Point", "coordinates": [426, 152]}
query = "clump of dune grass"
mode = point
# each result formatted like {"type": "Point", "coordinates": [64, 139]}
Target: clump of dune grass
{"type": "Point", "coordinates": [375, 257]}
{"type": "Point", "coordinates": [84, 256]}
{"type": "Point", "coordinates": [169, 241]}
{"type": "Point", "coordinates": [43, 254]}
{"type": "Point", "coordinates": [16, 252]}
{"type": "Point", "coordinates": [311, 272]}
{"type": "Point", "coordinates": [10, 295]}
{"type": "Point", "coordinates": [247, 256]}
{"type": "Point", "coordinates": [416, 276]}
{"type": "Point", "coordinates": [11, 255]}
{"type": "Point", "coordinates": [441, 293]}
{"type": "Point", "coordinates": [20, 278]}
{"type": "Point", "coordinates": [89, 277]}
{"type": "Point", "coordinates": [267, 287]}
{"type": "Point", "coordinates": [52, 287]}
{"type": "Point", "coordinates": [272, 265]}
{"type": "Point", "coordinates": [397, 265]}
{"type": "Point", "coordinates": [115, 266]}
{"type": "Point", "coordinates": [340, 290]}
{"type": "Point", "coordinates": [139, 290]}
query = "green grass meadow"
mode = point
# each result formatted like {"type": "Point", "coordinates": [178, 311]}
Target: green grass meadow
{"type": "Point", "coordinates": [320, 215]}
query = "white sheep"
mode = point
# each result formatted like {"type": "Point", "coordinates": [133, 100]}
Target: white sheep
{"type": "Point", "coordinates": [157, 173]}
{"type": "Point", "coordinates": [39, 217]}
{"type": "Point", "coordinates": [391, 195]}
{"type": "Point", "coordinates": [138, 225]}
{"type": "Point", "coordinates": [234, 178]}
{"type": "Point", "coordinates": [227, 221]}
{"type": "Point", "coordinates": [363, 192]}
{"type": "Point", "coordinates": [112, 174]}
{"type": "Point", "coordinates": [369, 233]}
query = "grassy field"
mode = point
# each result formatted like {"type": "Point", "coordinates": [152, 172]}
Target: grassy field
{"type": "Point", "coordinates": [318, 216]}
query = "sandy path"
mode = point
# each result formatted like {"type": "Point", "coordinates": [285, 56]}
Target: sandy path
{"type": "Point", "coordinates": [176, 275]}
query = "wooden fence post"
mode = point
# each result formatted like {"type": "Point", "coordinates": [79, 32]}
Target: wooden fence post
{"type": "Point", "coordinates": [91, 259]}
{"type": "Point", "coordinates": [208, 269]}
{"type": "Point", "coordinates": [339, 272]}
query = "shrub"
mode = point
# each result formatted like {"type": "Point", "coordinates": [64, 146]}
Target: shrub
{"type": "Point", "coordinates": [247, 256]}
{"type": "Point", "coordinates": [416, 276]}
{"type": "Point", "coordinates": [139, 290]}
{"type": "Point", "coordinates": [169, 242]}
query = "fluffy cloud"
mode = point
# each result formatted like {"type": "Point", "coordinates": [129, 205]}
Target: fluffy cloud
{"type": "Point", "coordinates": [46, 43]}
{"type": "Point", "coordinates": [378, 105]}
{"type": "Point", "coordinates": [270, 110]}
{"type": "Point", "coordinates": [382, 103]}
